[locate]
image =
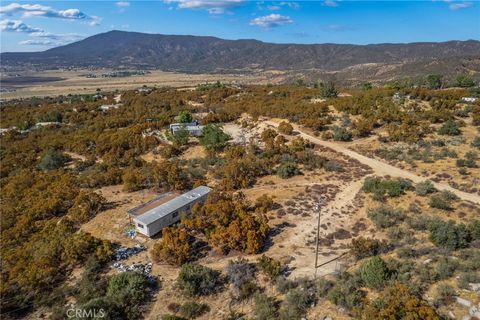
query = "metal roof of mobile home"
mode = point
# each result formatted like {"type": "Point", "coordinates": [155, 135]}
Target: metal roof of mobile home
{"type": "Point", "coordinates": [172, 205]}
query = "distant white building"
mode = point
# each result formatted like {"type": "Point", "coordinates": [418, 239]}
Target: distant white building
{"type": "Point", "coordinates": [106, 107]}
{"type": "Point", "coordinates": [469, 99]}
{"type": "Point", "coordinates": [150, 219]}
{"type": "Point", "coordinates": [193, 128]}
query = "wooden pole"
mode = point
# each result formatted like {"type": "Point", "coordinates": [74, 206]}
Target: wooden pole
{"type": "Point", "coordinates": [318, 240]}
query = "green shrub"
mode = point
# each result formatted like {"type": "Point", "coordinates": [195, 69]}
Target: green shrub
{"type": "Point", "coordinates": [295, 304]}
{"type": "Point", "coordinates": [197, 280]}
{"type": "Point", "coordinates": [442, 200]}
{"type": "Point", "coordinates": [333, 166]}
{"type": "Point", "coordinates": [287, 170]}
{"type": "Point", "coordinates": [269, 266]}
{"type": "Point", "coordinates": [476, 142]}
{"type": "Point", "coordinates": [424, 188]}
{"type": "Point", "coordinates": [284, 285]}
{"type": "Point", "coordinates": [192, 309]}
{"type": "Point", "coordinates": [346, 292]}
{"type": "Point", "coordinates": [374, 272]}
{"type": "Point", "coordinates": [449, 235]}
{"type": "Point", "coordinates": [385, 216]}
{"type": "Point", "coordinates": [445, 294]}
{"type": "Point", "coordinates": [213, 138]}
{"type": "Point", "coordinates": [265, 307]}
{"type": "Point", "coordinates": [474, 229]}
{"type": "Point", "coordinates": [323, 286]}
{"type": "Point", "coordinates": [53, 159]}
{"type": "Point", "coordinates": [391, 187]}
{"type": "Point", "coordinates": [341, 134]}
{"type": "Point", "coordinates": [446, 267]}
{"type": "Point", "coordinates": [450, 127]}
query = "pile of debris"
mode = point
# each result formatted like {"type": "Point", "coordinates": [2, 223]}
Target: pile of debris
{"type": "Point", "coordinates": [123, 253]}
{"type": "Point", "coordinates": [146, 269]}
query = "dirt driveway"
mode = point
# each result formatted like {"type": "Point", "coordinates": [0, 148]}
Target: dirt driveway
{"type": "Point", "coordinates": [379, 167]}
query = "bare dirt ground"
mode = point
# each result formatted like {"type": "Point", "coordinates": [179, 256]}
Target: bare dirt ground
{"type": "Point", "coordinates": [381, 168]}
{"type": "Point", "coordinates": [75, 82]}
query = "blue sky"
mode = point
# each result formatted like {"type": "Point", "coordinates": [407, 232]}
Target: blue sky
{"type": "Point", "coordinates": [39, 25]}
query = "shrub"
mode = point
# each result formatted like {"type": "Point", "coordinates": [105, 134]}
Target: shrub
{"type": "Point", "coordinates": [333, 166]}
{"type": "Point", "coordinates": [323, 286]}
{"type": "Point", "coordinates": [424, 188]}
{"type": "Point", "coordinates": [295, 304]}
{"type": "Point", "coordinates": [374, 272]}
{"type": "Point", "coordinates": [450, 127]}
{"type": "Point", "coordinates": [287, 170]}
{"type": "Point", "coordinates": [346, 292]}
{"type": "Point", "coordinates": [285, 128]}
{"type": "Point", "coordinates": [265, 203]}
{"type": "Point", "coordinates": [265, 307]}
{"type": "Point", "coordinates": [476, 142]}
{"type": "Point", "coordinates": [240, 272]}
{"type": "Point", "coordinates": [365, 247]}
{"type": "Point", "coordinates": [385, 216]}
{"type": "Point", "coordinates": [185, 116]}
{"type": "Point", "coordinates": [449, 235]}
{"type": "Point", "coordinates": [398, 302]}
{"type": "Point", "coordinates": [445, 294]}
{"type": "Point", "coordinates": [474, 229]}
{"type": "Point", "coordinates": [128, 291]}
{"type": "Point", "coordinates": [442, 200]}
{"type": "Point", "coordinates": [379, 187]}
{"type": "Point", "coordinates": [341, 134]}
{"type": "Point", "coordinates": [269, 266]}
{"type": "Point", "coordinates": [192, 309]}
{"type": "Point", "coordinates": [175, 247]}
{"type": "Point", "coordinates": [53, 159]}
{"type": "Point", "coordinates": [446, 267]}
{"type": "Point", "coordinates": [197, 280]}
{"type": "Point", "coordinates": [172, 317]}
{"type": "Point", "coordinates": [284, 285]}
{"type": "Point", "coordinates": [213, 138]}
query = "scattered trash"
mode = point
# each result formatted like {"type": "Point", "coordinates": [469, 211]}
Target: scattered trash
{"type": "Point", "coordinates": [131, 232]}
{"type": "Point", "coordinates": [125, 253]}
{"type": "Point", "coordinates": [146, 269]}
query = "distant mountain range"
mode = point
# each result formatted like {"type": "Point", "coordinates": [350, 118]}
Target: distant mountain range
{"type": "Point", "coordinates": [195, 54]}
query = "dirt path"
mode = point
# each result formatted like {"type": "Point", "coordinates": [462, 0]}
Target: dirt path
{"type": "Point", "coordinates": [381, 168]}
{"type": "Point", "coordinates": [303, 265]}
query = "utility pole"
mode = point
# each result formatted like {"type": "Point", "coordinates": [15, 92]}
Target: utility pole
{"type": "Point", "coordinates": [318, 238]}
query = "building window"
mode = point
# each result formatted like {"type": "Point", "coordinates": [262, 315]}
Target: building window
{"type": "Point", "coordinates": [140, 225]}
{"type": "Point", "coordinates": [175, 214]}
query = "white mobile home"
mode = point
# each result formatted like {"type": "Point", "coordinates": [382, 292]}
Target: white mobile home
{"type": "Point", "coordinates": [193, 128]}
{"type": "Point", "coordinates": [151, 222]}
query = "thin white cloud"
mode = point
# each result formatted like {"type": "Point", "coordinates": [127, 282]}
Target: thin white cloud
{"type": "Point", "coordinates": [122, 4]}
{"type": "Point", "coordinates": [271, 21]}
{"type": "Point", "coordinates": [41, 36]}
{"type": "Point", "coordinates": [459, 5]}
{"type": "Point", "coordinates": [37, 10]}
{"type": "Point", "coordinates": [17, 26]}
{"type": "Point", "coordinates": [212, 6]}
{"type": "Point", "coordinates": [292, 5]}
{"type": "Point", "coordinates": [330, 3]}
{"type": "Point", "coordinates": [273, 8]}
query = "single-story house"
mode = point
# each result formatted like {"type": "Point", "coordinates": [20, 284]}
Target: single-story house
{"type": "Point", "coordinates": [193, 128]}
{"type": "Point", "coordinates": [469, 99]}
{"type": "Point", "coordinates": [153, 220]}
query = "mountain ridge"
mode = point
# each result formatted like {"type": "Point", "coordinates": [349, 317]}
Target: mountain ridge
{"type": "Point", "coordinates": [207, 54]}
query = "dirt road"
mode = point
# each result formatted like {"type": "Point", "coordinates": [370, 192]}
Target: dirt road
{"type": "Point", "coordinates": [379, 167]}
